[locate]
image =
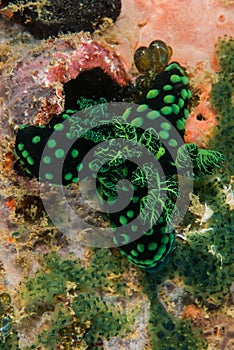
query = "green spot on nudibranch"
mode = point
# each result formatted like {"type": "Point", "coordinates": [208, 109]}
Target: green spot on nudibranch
{"type": "Point", "coordinates": [69, 136]}
{"type": "Point", "coordinates": [149, 232]}
{"type": "Point", "coordinates": [153, 115]}
{"type": "Point", "coordinates": [161, 250]}
{"type": "Point", "coordinates": [49, 176]}
{"type": "Point", "coordinates": [51, 143]}
{"type": "Point", "coordinates": [174, 65]}
{"type": "Point", "coordinates": [68, 176]}
{"type": "Point", "coordinates": [152, 93]}
{"type": "Point", "coordinates": [36, 139]}
{"type": "Point", "coordinates": [164, 134]}
{"type": "Point", "coordinates": [130, 214]}
{"type": "Point", "coordinates": [30, 160]}
{"type": "Point", "coordinates": [127, 112]}
{"type": "Point", "coordinates": [65, 116]}
{"type": "Point", "coordinates": [138, 122]}
{"type": "Point", "coordinates": [25, 154]}
{"type": "Point", "coordinates": [135, 199]}
{"type": "Point", "coordinates": [58, 127]}
{"type": "Point", "coordinates": [184, 93]}
{"type": "Point", "coordinates": [189, 93]}
{"type": "Point", "coordinates": [115, 241]}
{"type": "Point", "coordinates": [186, 112]}
{"type": "Point", "coordinates": [175, 109]}
{"type": "Point", "coordinates": [166, 110]}
{"type": "Point", "coordinates": [20, 146]}
{"type": "Point", "coordinates": [167, 87]}
{"type": "Point", "coordinates": [185, 80]}
{"type": "Point", "coordinates": [165, 239]}
{"type": "Point", "coordinates": [125, 239]}
{"type": "Point", "coordinates": [140, 247]}
{"type": "Point", "coordinates": [172, 143]}
{"type": "Point", "coordinates": [169, 99]}
{"type": "Point", "coordinates": [134, 253]}
{"type": "Point", "coordinates": [181, 103]}
{"type": "Point", "coordinates": [152, 246]}
{"type": "Point", "coordinates": [59, 153]}
{"type": "Point", "coordinates": [134, 227]}
{"type": "Point", "coordinates": [79, 167]}
{"type": "Point", "coordinates": [142, 108]}
{"type": "Point", "coordinates": [74, 153]}
{"type": "Point", "coordinates": [123, 220]}
{"type": "Point", "coordinates": [180, 124]}
{"type": "Point", "coordinates": [46, 160]}
{"type": "Point", "coordinates": [174, 78]}
{"type": "Point", "coordinates": [166, 126]}
{"type": "Point", "coordinates": [23, 126]}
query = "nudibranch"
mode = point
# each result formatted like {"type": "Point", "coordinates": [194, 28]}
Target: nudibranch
{"type": "Point", "coordinates": [150, 123]}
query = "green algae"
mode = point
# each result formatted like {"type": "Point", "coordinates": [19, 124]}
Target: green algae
{"type": "Point", "coordinates": [222, 97]}
{"type": "Point", "coordinates": [170, 333]}
{"type": "Point", "coordinates": [166, 331]}
{"type": "Point", "coordinates": [8, 334]}
{"type": "Point", "coordinates": [83, 290]}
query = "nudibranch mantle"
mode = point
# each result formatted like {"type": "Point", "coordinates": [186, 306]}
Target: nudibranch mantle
{"type": "Point", "coordinates": [150, 123]}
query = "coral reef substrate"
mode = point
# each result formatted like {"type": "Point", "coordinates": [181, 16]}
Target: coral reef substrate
{"type": "Point", "coordinates": [50, 17]}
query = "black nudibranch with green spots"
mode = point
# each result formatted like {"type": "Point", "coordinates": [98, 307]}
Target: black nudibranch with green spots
{"type": "Point", "coordinates": [156, 123]}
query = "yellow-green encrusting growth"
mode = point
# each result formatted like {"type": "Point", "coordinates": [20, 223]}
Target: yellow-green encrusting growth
{"type": "Point", "coordinates": [8, 334]}
{"type": "Point", "coordinates": [222, 98]}
{"type": "Point", "coordinates": [87, 318]}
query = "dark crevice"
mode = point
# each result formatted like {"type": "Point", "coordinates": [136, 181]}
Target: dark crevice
{"type": "Point", "coordinates": [200, 117]}
{"type": "Point", "coordinates": [91, 84]}
{"type": "Point", "coordinates": [51, 17]}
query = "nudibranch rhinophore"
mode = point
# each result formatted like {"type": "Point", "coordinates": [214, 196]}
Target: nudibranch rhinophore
{"type": "Point", "coordinates": [151, 123]}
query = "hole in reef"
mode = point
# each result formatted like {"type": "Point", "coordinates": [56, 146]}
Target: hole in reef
{"type": "Point", "coordinates": [200, 117]}
{"type": "Point", "coordinates": [92, 84]}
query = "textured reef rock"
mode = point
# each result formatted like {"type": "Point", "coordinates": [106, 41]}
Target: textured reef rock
{"type": "Point", "coordinates": [32, 86]}
{"type": "Point", "coordinates": [45, 18]}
